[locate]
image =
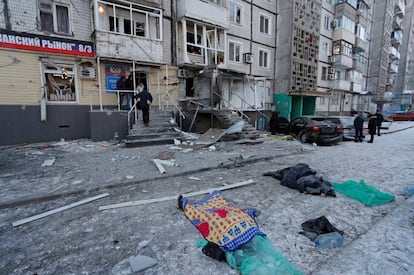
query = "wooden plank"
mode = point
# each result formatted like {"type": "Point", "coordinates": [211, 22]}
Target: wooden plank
{"type": "Point", "coordinates": [57, 210]}
{"type": "Point", "coordinates": [192, 194]}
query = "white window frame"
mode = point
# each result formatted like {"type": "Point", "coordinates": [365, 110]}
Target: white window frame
{"type": "Point", "coordinates": [261, 58]}
{"type": "Point", "coordinates": [54, 15]}
{"type": "Point", "coordinates": [236, 5]}
{"type": "Point", "coordinates": [325, 48]}
{"type": "Point", "coordinates": [236, 43]}
{"type": "Point", "coordinates": [326, 22]}
{"type": "Point", "coordinates": [269, 24]}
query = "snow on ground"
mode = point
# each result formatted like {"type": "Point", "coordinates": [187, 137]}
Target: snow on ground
{"type": "Point", "coordinates": [378, 240]}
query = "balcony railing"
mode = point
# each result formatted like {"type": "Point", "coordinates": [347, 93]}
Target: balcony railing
{"type": "Point", "coordinates": [209, 11]}
{"type": "Point", "coordinates": [393, 53]}
{"type": "Point", "coordinates": [396, 37]}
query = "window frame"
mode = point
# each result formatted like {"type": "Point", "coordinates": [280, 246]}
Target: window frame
{"type": "Point", "coordinates": [236, 5]}
{"type": "Point", "coordinates": [269, 23]}
{"type": "Point", "coordinates": [72, 73]}
{"type": "Point", "coordinates": [236, 43]}
{"type": "Point", "coordinates": [267, 52]}
{"type": "Point", "coordinates": [55, 16]}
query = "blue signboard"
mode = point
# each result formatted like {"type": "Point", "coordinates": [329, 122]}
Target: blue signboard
{"type": "Point", "coordinates": [111, 83]}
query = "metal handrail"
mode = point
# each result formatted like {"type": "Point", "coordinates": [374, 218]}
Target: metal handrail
{"type": "Point", "coordinates": [244, 116]}
{"type": "Point", "coordinates": [176, 107]}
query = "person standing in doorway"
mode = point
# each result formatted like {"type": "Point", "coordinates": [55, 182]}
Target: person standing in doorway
{"type": "Point", "coordinates": [358, 126]}
{"type": "Point", "coordinates": [380, 119]}
{"type": "Point", "coordinates": [372, 127]}
{"type": "Point", "coordinates": [144, 99]}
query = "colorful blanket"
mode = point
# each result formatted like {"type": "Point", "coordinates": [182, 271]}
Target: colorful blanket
{"type": "Point", "coordinates": [221, 223]}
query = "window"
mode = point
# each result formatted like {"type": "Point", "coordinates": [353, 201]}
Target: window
{"type": "Point", "coordinates": [235, 50]}
{"type": "Point", "coordinates": [342, 47]}
{"type": "Point", "coordinates": [360, 32]}
{"type": "Point", "coordinates": [264, 59]}
{"type": "Point", "coordinates": [54, 18]}
{"type": "Point", "coordinates": [113, 24]}
{"type": "Point", "coordinates": [326, 22]}
{"type": "Point", "coordinates": [324, 73]}
{"type": "Point", "coordinates": [130, 19]}
{"type": "Point", "coordinates": [59, 81]}
{"type": "Point", "coordinates": [264, 24]}
{"type": "Point", "coordinates": [322, 100]}
{"type": "Point", "coordinates": [235, 13]}
{"type": "Point", "coordinates": [325, 48]}
{"type": "Point", "coordinates": [335, 99]}
{"type": "Point", "coordinates": [346, 23]}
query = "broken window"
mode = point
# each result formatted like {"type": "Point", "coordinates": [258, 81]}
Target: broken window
{"type": "Point", "coordinates": [129, 18]}
{"type": "Point", "coordinates": [54, 18]}
{"type": "Point", "coordinates": [59, 81]}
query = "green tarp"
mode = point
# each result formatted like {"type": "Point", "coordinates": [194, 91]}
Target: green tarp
{"type": "Point", "coordinates": [363, 192]}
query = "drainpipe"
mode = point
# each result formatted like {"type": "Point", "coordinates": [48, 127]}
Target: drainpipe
{"type": "Point", "coordinates": [98, 61]}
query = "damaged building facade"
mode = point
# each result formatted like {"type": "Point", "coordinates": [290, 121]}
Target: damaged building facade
{"type": "Point", "coordinates": [225, 57]}
{"type": "Point", "coordinates": [207, 60]}
{"type": "Point", "coordinates": [60, 60]}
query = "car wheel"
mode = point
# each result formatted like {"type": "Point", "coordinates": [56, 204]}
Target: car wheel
{"type": "Point", "coordinates": [302, 137]}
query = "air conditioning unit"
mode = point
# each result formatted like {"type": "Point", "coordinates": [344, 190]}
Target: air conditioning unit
{"type": "Point", "coordinates": [331, 76]}
{"type": "Point", "coordinates": [248, 58]}
{"type": "Point", "coordinates": [331, 70]}
{"type": "Point", "coordinates": [87, 73]}
{"type": "Point", "coordinates": [182, 73]}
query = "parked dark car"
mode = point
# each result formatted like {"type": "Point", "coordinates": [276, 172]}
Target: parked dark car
{"type": "Point", "coordinates": [283, 125]}
{"type": "Point", "coordinates": [319, 130]}
{"type": "Point", "coordinates": [348, 129]}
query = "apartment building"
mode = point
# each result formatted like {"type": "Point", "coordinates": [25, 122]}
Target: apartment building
{"type": "Point", "coordinates": [60, 60]}
{"type": "Point", "coordinates": [344, 48]}
{"type": "Point", "coordinates": [403, 90]}
{"type": "Point", "coordinates": [225, 53]}
{"type": "Point", "coordinates": [297, 57]}
{"type": "Point", "coordinates": [385, 48]}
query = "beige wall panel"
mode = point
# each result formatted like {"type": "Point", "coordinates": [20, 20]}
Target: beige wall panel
{"type": "Point", "coordinates": [19, 81]}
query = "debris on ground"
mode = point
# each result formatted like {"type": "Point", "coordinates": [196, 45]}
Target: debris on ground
{"type": "Point", "coordinates": [304, 179]}
{"type": "Point", "coordinates": [187, 195]}
{"type": "Point", "coordinates": [48, 162]}
{"type": "Point", "coordinates": [164, 155]}
{"type": "Point", "coordinates": [57, 210]}
{"type": "Point", "coordinates": [141, 262]}
{"type": "Point", "coordinates": [363, 192]}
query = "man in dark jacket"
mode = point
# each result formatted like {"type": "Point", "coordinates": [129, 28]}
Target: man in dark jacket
{"type": "Point", "coordinates": [380, 119]}
{"type": "Point", "coordinates": [358, 125]}
{"type": "Point", "coordinates": [274, 123]}
{"type": "Point", "coordinates": [144, 101]}
{"type": "Point", "coordinates": [372, 127]}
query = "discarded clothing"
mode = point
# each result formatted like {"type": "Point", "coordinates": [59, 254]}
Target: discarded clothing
{"type": "Point", "coordinates": [363, 193]}
{"type": "Point", "coordinates": [225, 225]}
{"type": "Point", "coordinates": [313, 228]}
{"type": "Point", "coordinates": [304, 179]}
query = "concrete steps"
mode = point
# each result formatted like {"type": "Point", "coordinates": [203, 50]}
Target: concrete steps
{"type": "Point", "coordinates": [159, 131]}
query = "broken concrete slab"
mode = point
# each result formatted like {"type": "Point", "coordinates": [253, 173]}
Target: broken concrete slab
{"type": "Point", "coordinates": [141, 262]}
{"type": "Point", "coordinates": [48, 162]}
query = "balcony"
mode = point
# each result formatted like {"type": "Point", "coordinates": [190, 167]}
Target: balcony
{"type": "Point", "coordinates": [128, 31]}
{"type": "Point", "coordinates": [341, 61]}
{"type": "Point", "coordinates": [393, 53]}
{"type": "Point", "coordinates": [356, 87]}
{"type": "Point", "coordinates": [343, 34]}
{"type": "Point", "coordinates": [397, 23]}
{"type": "Point", "coordinates": [360, 44]}
{"type": "Point", "coordinates": [393, 68]}
{"type": "Point", "coordinates": [396, 37]}
{"type": "Point", "coordinates": [209, 11]}
{"type": "Point", "coordinates": [399, 8]}
{"type": "Point", "coordinates": [343, 85]}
